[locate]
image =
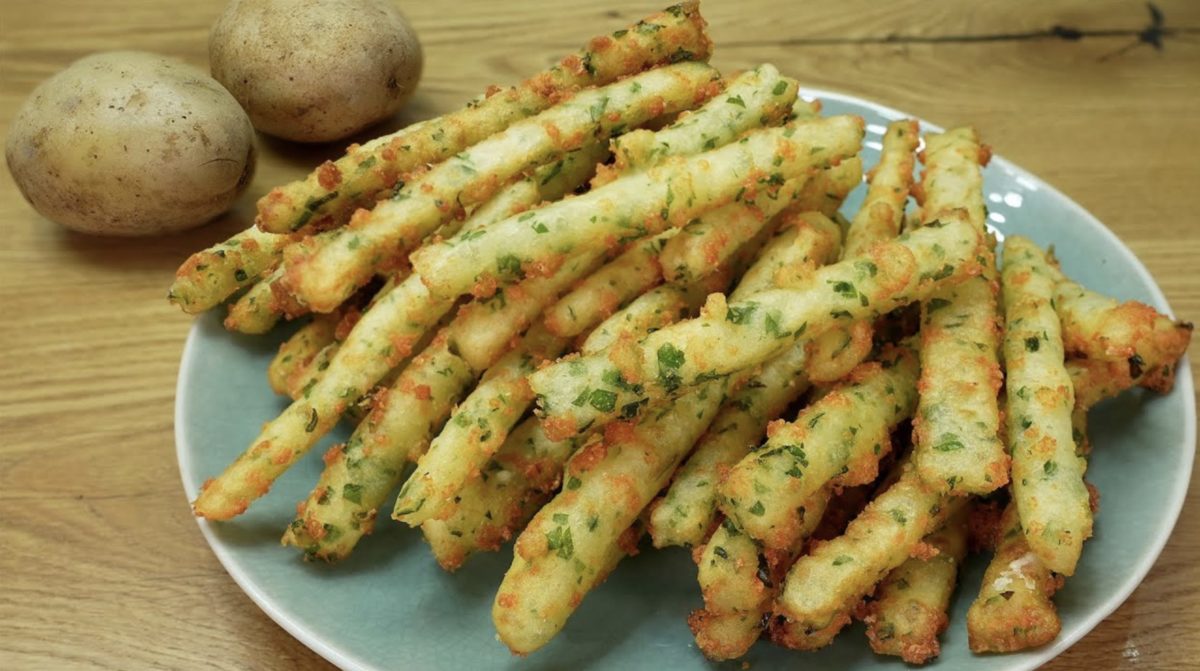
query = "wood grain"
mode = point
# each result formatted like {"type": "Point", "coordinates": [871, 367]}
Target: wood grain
{"type": "Point", "coordinates": [102, 565]}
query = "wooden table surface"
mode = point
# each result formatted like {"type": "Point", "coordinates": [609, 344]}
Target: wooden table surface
{"type": "Point", "coordinates": [101, 563]}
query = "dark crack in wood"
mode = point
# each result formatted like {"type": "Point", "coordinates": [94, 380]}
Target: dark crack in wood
{"type": "Point", "coordinates": [1153, 34]}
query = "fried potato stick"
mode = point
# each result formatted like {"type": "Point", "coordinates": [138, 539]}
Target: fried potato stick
{"type": "Point", "coordinates": [1047, 475]}
{"type": "Point", "coordinates": [326, 275]}
{"type": "Point", "coordinates": [359, 475]}
{"type": "Point", "coordinates": [838, 350]}
{"type": "Point", "coordinates": [755, 98]}
{"type": "Point", "coordinates": [714, 240]}
{"type": "Point", "coordinates": [1143, 345]}
{"type": "Point", "coordinates": [1013, 610]}
{"type": "Point", "coordinates": [639, 204]}
{"type": "Point", "coordinates": [1095, 380]}
{"type": "Point", "coordinates": [602, 293]}
{"type": "Point", "coordinates": [711, 241]}
{"type": "Point", "coordinates": [824, 585]}
{"type": "Point", "coordinates": [742, 334]}
{"type": "Point", "coordinates": [659, 307]}
{"type": "Point", "coordinates": [303, 377]}
{"type": "Point", "coordinates": [211, 275]}
{"type": "Point", "coordinates": [952, 179]}
{"type": "Point", "coordinates": [562, 554]}
{"type": "Point", "coordinates": [805, 241]}
{"type": "Point", "coordinates": [688, 509]}
{"type": "Point", "coordinates": [255, 312]}
{"type": "Point", "coordinates": [260, 309]}
{"type": "Point", "coordinates": [492, 408]}
{"type": "Point", "coordinates": [298, 350]}
{"type": "Point", "coordinates": [889, 182]}
{"type": "Point", "coordinates": [481, 424]}
{"type": "Point", "coordinates": [484, 328]}
{"type": "Point", "coordinates": [827, 190]}
{"type": "Point", "coordinates": [752, 99]}
{"type": "Point", "coordinates": [909, 611]}
{"type": "Point", "coordinates": [957, 428]}
{"type": "Point", "coordinates": [841, 509]}
{"type": "Point", "coordinates": [336, 189]}
{"type": "Point", "coordinates": [836, 440]}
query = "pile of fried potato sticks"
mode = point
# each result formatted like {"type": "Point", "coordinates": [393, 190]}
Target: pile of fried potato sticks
{"type": "Point", "coordinates": [618, 300]}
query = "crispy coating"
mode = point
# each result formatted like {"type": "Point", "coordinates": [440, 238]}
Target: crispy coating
{"type": "Point", "coordinates": [1134, 342]}
{"type": "Point", "coordinates": [757, 97]}
{"type": "Point", "coordinates": [211, 275]}
{"type": "Point", "coordinates": [795, 636]}
{"type": "Point", "coordinates": [836, 351]}
{"type": "Point", "coordinates": [1013, 610]}
{"type": "Point", "coordinates": [658, 307]}
{"type": "Point", "coordinates": [825, 191]}
{"type": "Point", "coordinates": [742, 334]}
{"type": "Point", "coordinates": [298, 351]}
{"type": "Point", "coordinates": [882, 211]}
{"type": "Point", "coordinates": [837, 440]}
{"type": "Point", "coordinates": [600, 294]}
{"type": "Point", "coordinates": [498, 500]}
{"type": "Point", "coordinates": [502, 492]}
{"type": "Point", "coordinates": [484, 328]}
{"type": "Point", "coordinates": [805, 241]}
{"type": "Point", "coordinates": [952, 179]}
{"type": "Point", "coordinates": [303, 376]}
{"type": "Point", "coordinates": [716, 241]}
{"type": "Point", "coordinates": [909, 610]}
{"type": "Point", "coordinates": [688, 509]}
{"type": "Point", "coordinates": [957, 428]}
{"type": "Point", "coordinates": [719, 240]}
{"type": "Point", "coordinates": [724, 635]}
{"type": "Point", "coordinates": [387, 333]}
{"type": "Point", "coordinates": [257, 311]}
{"type": "Point", "coordinates": [712, 241]}
{"type": "Point", "coordinates": [1047, 474]}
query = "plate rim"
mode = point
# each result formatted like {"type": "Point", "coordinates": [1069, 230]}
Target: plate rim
{"type": "Point", "coordinates": [1032, 658]}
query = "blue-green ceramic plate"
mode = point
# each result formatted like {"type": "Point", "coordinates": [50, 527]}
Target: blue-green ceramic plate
{"type": "Point", "coordinates": [391, 607]}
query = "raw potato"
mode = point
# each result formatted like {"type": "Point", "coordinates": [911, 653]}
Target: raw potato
{"type": "Point", "coordinates": [315, 70]}
{"type": "Point", "coordinates": [130, 143]}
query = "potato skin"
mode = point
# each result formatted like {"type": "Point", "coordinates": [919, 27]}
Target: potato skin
{"type": "Point", "coordinates": [129, 143]}
{"type": "Point", "coordinates": [315, 70]}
